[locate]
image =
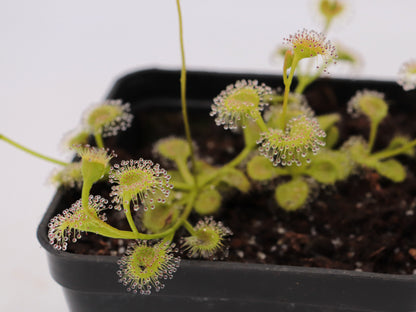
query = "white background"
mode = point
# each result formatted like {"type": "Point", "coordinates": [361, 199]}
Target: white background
{"type": "Point", "coordinates": [58, 57]}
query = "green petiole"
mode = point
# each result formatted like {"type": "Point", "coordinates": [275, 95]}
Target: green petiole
{"type": "Point", "coordinates": [32, 152]}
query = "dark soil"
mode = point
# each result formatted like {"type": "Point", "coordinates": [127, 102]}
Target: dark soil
{"type": "Point", "coordinates": [366, 223]}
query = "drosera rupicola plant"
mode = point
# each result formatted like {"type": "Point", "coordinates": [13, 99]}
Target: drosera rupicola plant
{"type": "Point", "coordinates": [282, 136]}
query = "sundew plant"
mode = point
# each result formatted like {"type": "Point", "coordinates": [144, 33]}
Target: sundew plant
{"type": "Point", "coordinates": [282, 137]}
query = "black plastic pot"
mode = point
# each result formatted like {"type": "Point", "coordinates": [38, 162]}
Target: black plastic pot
{"type": "Point", "coordinates": [90, 282]}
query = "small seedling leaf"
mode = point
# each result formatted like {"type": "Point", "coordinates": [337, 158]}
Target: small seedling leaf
{"type": "Point", "coordinates": [330, 166]}
{"type": "Point", "coordinates": [204, 170]}
{"type": "Point", "coordinates": [173, 148]}
{"type": "Point", "coordinates": [292, 195]}
{"type": "Point", "coordinates": [323, 171]}
{"type": "Point", "coordinates": [161, 217]}
{"type": "Point", "coordinates": [398, 142]}
{"type": "Point", "coordinates": [237, 179]}
{"type": "Point", "coordinates": [260, 168]}
{"type": "Point", "coordinates": [327, 121]}
{"type": "Point", "coordinates": [332, 136]}
{"type": "Point", "coordinates": [208, 201]}
{"type": "Point", "coordinates": [391, 169]}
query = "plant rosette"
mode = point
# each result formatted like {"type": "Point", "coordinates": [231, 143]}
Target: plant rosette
{"type": "Point", "coordinates": [301, 183]}
{"type": "Point", "coordinates": [268, 241]}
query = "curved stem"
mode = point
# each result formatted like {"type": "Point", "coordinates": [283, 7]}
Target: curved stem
{"type": "Point", "coordinates": [32, 152]}
{"type": "Point", "coordinates": [240, 157]}
{"type": "Point", "coordinates": [98, 226]}
{"type": "Point", "coordinates": [184, 171]}
{"type": "Point", "coordinates": [251, 133]}
{"type": "Point", "coordinates": [390, 153]}
{"type": "Point", "coordinates": [189, 227]}
{"type": "Point", "coordinates": [326, 26]}
{"type": "Point", "coordinates": [303, 82]}
{"type": "Point", "coordinates": [260, 122]}
{"type": "Point", "coordinates": [237, 160]}
{"type": "Point", "coordinates": [182, 186]}
{"type": "Point", "coordinates": [127, 212]}
{"type": "Point", "coordinates": [183, 91]}
{"type": "Point", "coordinates": [275, 99]}
{"type": "Point", "coordinates": [178, 223]}
{"type": "Point", "coordinates": [99, 140]}
{"type": "Point", "coordinates": [86, 188]}
{"type": "Point", "coordinates": [104, 229]}
{"type": "Point", "coordinates": [168, 238]}
{"type": "Point", "coordinates": [286, 93]}
{"type": "Point", "coordinates": [372, 137]}
{"type": "Point", "coordinates": [306, 80]}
